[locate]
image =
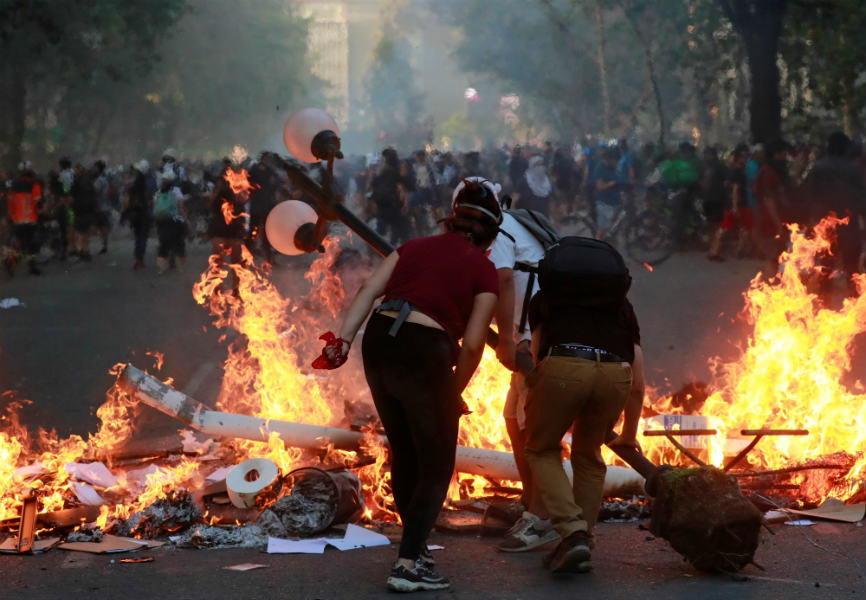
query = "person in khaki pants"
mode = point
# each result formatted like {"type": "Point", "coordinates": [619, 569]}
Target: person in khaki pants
{"type": "Point", "coordinates": [589, 368]}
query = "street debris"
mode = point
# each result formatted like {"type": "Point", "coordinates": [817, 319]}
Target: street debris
{"type": "Point", "coordinates": [245, 567]}
{"type": "Point", "coordinates": [835, 510]}
{"type": "Point", "coordinates": [355, 537]}
{"type": "Point", "coordinates": [250, 535]}
{"type": "Point", "coordinates": [110, 544]}
{"type": "Point", "coordinates": [705, 517]}
{"type": "Point", "coordinates": [250, 478]}
{"type": "Point", "coordinates": [11, 303]}
{"type": "Point", "coordinates": [175, 512]}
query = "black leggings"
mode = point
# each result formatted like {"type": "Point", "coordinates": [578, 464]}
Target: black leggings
{"type": "Point", "coordinates": [412, 384]}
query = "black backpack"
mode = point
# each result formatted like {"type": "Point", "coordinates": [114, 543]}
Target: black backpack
{"type": "Point", "coordinates": [585, 272]}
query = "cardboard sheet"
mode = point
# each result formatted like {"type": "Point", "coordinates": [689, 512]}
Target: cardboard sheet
{"type": "Point", "coordinates": [835, 510]}
{"type": "Point", "coordinates": [110, 545]}
{"type": "Point", "coordinates": [9, 546]}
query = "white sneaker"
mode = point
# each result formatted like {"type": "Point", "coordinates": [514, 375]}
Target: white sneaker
{"type": "Point", "coordinates": [527, 533]}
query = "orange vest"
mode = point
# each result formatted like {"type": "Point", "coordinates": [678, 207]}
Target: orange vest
{"type": "Point", "coordinates": [22, 200]}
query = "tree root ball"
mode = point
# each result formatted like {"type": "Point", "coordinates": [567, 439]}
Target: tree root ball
{"type": "Point", "coordinates": [703, 514]}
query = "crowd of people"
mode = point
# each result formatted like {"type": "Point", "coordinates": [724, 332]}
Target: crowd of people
{"type": "Point", "coordinates": [744, 193]}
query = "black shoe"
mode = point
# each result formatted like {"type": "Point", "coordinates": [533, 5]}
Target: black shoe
{"type": "Point", "coordinates": [34, 270]}
{"type": "Point", "coordinates": [571, 555]}
{"type": "Point", "coordinates": [425, 559]}
{"type": "Point", "coordinates": [104, 250]}
{"type": "Point", "coordinates": [413, 580]}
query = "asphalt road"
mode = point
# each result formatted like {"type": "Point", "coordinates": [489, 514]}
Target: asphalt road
{"type": "Point", "coordinates": [79, 319]}
{"type": "Point", "coordinates": [628, 564]}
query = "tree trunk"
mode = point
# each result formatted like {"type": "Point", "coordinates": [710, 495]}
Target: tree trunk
{"type": "Point", "coordinates": [651, 74]}
{"type": "Point", "coordinates": [765, 104]}
{"type": "Point", "coordinates": [759, 23]}
{"type": "Point", "coordinates": [602, 66]}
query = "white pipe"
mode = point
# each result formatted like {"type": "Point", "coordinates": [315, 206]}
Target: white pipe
{"type": "Point", "coordinates": [619, 481]}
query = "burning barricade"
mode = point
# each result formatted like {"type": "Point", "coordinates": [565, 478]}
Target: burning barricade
{"type": "Point", "coordinates": [781, 421]}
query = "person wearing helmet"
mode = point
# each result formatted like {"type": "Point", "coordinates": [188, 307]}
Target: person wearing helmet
{"type": "Point", "coordinates": [437, 290]}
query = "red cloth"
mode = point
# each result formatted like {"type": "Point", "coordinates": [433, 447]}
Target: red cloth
{"type": "Point", "coordinates": [440, 276]}
{"type": "Point", "coordinates": [743, 219]}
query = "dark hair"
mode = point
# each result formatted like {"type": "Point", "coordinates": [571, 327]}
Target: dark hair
{"type": "Point", "coordinates": [389, 155]}
{"type": "Point", "coordinates": [480, 227]}
{"type": "Point", "coordinates": [837, 144]}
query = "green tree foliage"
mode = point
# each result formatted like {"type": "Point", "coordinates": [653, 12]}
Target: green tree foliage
{"type": "Point", "coordinates": [729, 69]}
{"type": "Point", "coordinates": [231, 73]}
{"type": "Point", "coordinates": [52, 48]}
{"type": "Point", "coordinates": [548, 52]}
{"type": "Point", "coordinates": [824, 48]}
{"type": "Point", "coordinates": [127, 79]}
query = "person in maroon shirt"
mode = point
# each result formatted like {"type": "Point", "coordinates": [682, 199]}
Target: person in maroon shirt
{"type": "Point", "coordinates": [770, 191]}
{"type": "Point", "coordinates": [437, 290]}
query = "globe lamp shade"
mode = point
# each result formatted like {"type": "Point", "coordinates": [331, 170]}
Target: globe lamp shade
{"type": "Point", "coordinates": [283, 222]}
{"type": "Point", "coordinates": [301, 127]}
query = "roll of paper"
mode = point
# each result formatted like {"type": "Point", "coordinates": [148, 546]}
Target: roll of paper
{"type": "Point", "coordinates": [250, 478]}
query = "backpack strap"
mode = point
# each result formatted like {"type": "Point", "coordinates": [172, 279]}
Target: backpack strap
{"type": "Point", "coordinates": [524, 312]}
{"type": "Point", "coordinates": [551, 234]}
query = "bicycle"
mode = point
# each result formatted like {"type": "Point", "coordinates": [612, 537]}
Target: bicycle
{"type": "Point", "coordinates": [645, 232]}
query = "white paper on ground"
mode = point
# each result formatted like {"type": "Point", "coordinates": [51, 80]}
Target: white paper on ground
{"type": "Point", "coordinates": [245, 567]}
{"type": "Point", "coordinates": [800, 522]}
{"type": "Point", "coordinates": [220, 474]}
{"type": "Point", "coordinates": [86, 494]}
{"type": "Point", "coordinates": [95, 473]}
{"type": "Point", "coordinates": [358, 537]}
{"type": "Point", "coordinates": [435, 547]}
{"type": "Point", "coordinates": [355, 537]}
{"type": "Point", "coordinates": [11, 303]}
{"type": "Point", "coordinates": [280, 546]}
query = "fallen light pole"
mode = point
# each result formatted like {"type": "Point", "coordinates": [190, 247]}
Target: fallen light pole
{"type": "Point", "coordinates": [619, 481]}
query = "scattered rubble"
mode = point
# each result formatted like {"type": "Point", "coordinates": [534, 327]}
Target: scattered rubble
{"type": "Point", "coordinates": [176, 512]}
{"type": "Point", "coordinates": [250, 535]}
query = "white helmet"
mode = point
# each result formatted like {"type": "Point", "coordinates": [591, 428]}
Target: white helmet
{"type": "Point", "coordinates": [493, 188]}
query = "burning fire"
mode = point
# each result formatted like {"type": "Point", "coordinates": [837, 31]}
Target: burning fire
{"type": "Point", "coordinates": [790, 376]}
{"type": "Point", "coordinates": [239, 182]}
{"type": "Point", "coordinates": [791, 373]}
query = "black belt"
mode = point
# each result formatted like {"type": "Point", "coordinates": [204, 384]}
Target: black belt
{"type": "Point", "coordinates": [587, 352]}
